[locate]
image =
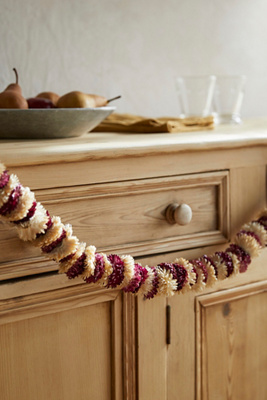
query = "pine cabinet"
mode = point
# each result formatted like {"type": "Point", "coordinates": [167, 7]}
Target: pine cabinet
{"type": "Point", "coordinates": [63, 339]}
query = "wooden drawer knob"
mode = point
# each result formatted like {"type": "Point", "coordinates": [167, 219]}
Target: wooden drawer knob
{"type": "Point", "coordinates": [180, 214]}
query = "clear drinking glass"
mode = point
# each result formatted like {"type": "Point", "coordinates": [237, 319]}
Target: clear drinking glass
{"type": "Point", "coordinates": [228, 98]}
{"type": "Point", "coordinates": [195, 95]}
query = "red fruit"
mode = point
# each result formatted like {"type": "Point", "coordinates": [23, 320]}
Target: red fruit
{"type": "Point", "coordinates": [37, 102]}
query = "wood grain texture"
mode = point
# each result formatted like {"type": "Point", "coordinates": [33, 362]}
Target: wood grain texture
{"type": "Point", "coordinates": [109, 169]}
{"type": "Point", "coordinates": [183, 368]}
{"type": "Point", "coordinates": [152, 349]}
{"type": "Point", "coordinates": [58, 356]}
{"type": "Point", "coordinates": [248, 194]}
{"type": "Point", "coordinates": [135, 210]}
{"type": "Point", "coordinates": [181, 351]}
{"type": "Point", "coordinates": [100, 145]}
{"type": "Point", "coordinates": [130, 349]}
{"type": "Point", "coordinates": [231, 344]}
{"type": "Point", "coordinates": [61, 343]}
{"type": "Point", "coordinates": [62, 339]}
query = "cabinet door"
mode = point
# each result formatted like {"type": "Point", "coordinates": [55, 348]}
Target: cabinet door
{"type": "Point", "coordinates": [231, 344]}
{"type": "Point", "coordinates": [60, 343]}
{"type": "Point", "coordinates": [217, 345]}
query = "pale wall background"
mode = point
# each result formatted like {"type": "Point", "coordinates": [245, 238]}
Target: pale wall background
{"type": "Point", "coordinates": [134, 48]}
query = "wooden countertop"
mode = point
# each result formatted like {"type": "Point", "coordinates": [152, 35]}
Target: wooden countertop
{"type": "Point", "coordinates": [114, 145]}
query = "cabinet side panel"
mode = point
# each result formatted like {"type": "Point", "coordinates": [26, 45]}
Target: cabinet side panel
{"type": "Point", "coordinates": [248, 194]}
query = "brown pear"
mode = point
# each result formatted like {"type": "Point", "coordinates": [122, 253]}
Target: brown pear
{"type": "Point", "coordinates": [14, 86]}
{"type": "Point", "coordinates": [82, 100]}
{"type": "Point", "coordinates": [11, 97]}
{"type": "Point", "coordinates": [102, 101]}
{"type": "Point", "coordinates": [50, 96]}
{"type": "Point", "coordinates": [76, 99]}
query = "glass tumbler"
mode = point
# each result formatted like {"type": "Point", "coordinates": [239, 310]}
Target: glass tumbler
{"type": "Point", "coordinates": [228, 98]}
{"type": "Point", "coordinates": [195, 95]}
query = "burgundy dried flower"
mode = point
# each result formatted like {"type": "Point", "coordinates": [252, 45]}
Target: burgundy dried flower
{"type": "Point", "coordinates": [202, 267]}
{"type": "Point", "coordinates": [99, 269]}
{"type": "Point", "coordinates": [49, 224]}
{"type": "Point", "coordinates": [227, 260]}
{"type": "Point", "coordinates": [208, 259]}
{"type": "Point", "coordinates": [263, 221]}
{"type": "Point", "coordinates": [143, 274]}
{"type": "Point", "coordinates": [195, 271]}
{"type": "Point", "coordinates": [29, 215]}
{"type": "Point", "coordinates": [55, 243]}
{"type": "Point", "coordinates": [134, 283]}
{"type": "Point", "coordinates": [155, 284]}
{"type": "Point", "coordinates": [181, 276]}
{"type": "Point", "coordinates": [67, 258]}
{"type": "Point", "coordinates": [4, 179]}
{"type": "Point", "coordinates": [243, 257]}
{"type": "Point", "coordinates": [77, 268]}
{"type": "Point", "coordinates": [117, 275]}
{"type": "Point", "coordinates": [12, 201]}
{"type": "Point", "coordinates": [169, 267]}
{"type": "Point", "coordinates": [252, 234]}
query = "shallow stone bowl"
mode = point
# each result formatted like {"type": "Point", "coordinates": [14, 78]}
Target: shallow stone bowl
{"type": "Point", "coordinates": [50, 123]}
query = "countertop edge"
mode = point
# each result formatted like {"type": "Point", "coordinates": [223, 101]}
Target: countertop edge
{"type": "Point", "coordinates": [99, 146]}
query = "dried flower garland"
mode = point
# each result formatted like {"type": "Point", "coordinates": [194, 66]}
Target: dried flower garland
{"type": "Point", "coordinates": [19, 208]}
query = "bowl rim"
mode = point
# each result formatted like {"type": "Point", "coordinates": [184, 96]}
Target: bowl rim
{"type": "Point", "coordinates": [105, 108]}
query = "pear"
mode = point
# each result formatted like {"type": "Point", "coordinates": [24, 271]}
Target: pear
{"type": "Point", "coordinates": [50, 96]}
{"type": "Point", "coordinates": [78, 99]}
{"type": "Point", "coordinates": [14, 86]}
{"type": "Point", "coordinates": [11, 97]}
{"type": "Point", "coordinates": [101, 101]}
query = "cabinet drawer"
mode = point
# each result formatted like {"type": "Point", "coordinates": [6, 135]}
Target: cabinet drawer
{"type": "Point", "coordinates": [129, 217]}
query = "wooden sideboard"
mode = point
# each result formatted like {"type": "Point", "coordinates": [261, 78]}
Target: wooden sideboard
{"type": "Point", "coordinates": [63, 339]}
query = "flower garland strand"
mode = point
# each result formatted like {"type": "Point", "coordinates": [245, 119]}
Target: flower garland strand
{"type": "Point", "coordinates": [19, 208]}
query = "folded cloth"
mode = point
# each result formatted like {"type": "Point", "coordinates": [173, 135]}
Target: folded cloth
{"type": "Point", "coordinates": [129, 123]}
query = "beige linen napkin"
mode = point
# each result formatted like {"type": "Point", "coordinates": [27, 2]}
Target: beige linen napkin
{"type": "Point", "coordinates": [129, 123]}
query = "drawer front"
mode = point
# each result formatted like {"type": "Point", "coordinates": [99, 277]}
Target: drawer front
{"type": "Point", "coordinates": [129, 218]}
